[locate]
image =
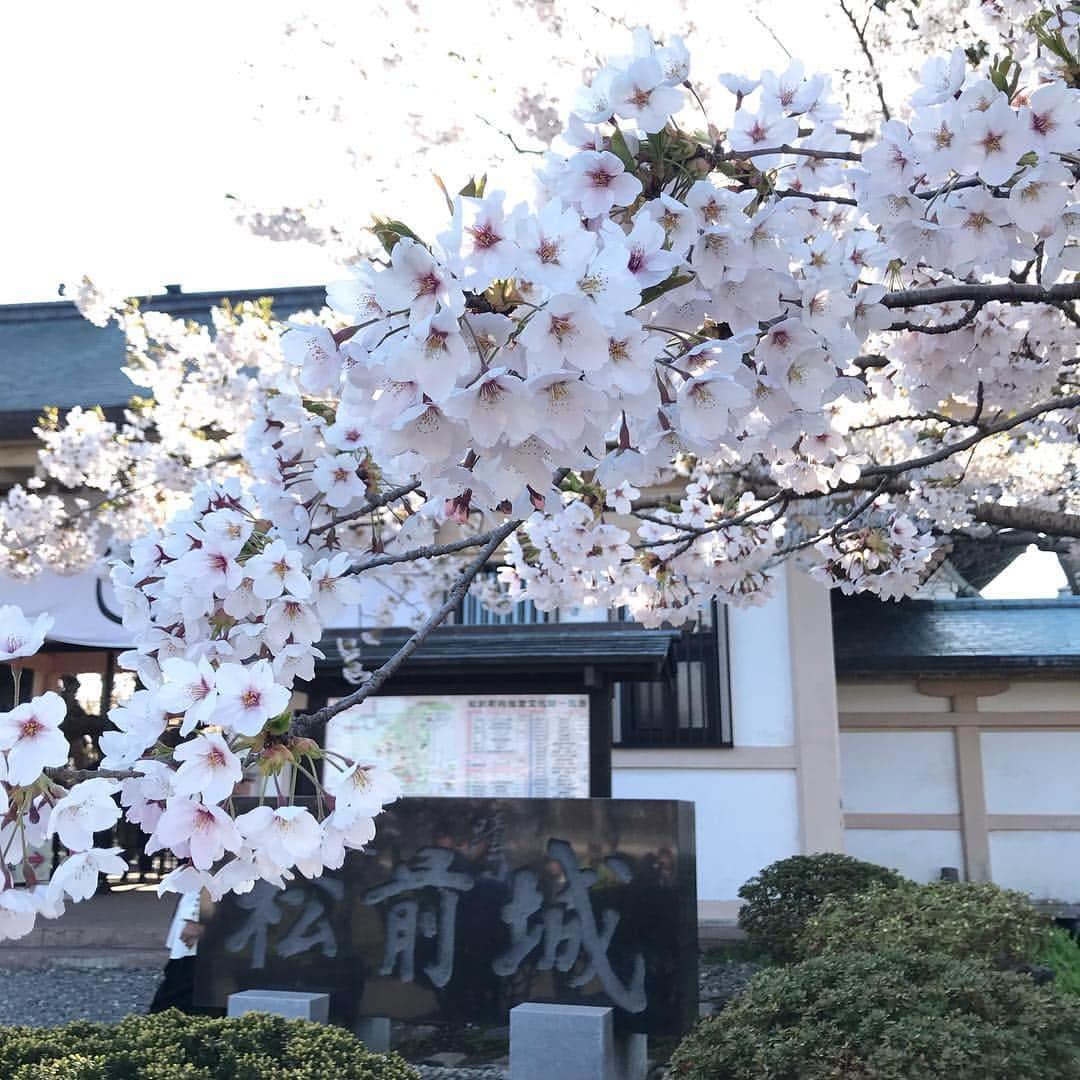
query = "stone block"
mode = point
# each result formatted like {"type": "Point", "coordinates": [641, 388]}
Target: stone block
{"type": "Point", "coordinates": [373, 1032]}
{"type": "Point", "coordinates": [292, 1004]}
{"type": "Point", "coordinates": [572, 1042]}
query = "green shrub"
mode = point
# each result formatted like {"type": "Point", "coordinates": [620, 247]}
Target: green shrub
{"type": "Point", "coordinates": [173, 1046]}
{"type": "Point", "coordinates": [887, 1016]}
{"type": "Point", "coordinates": [959, 919]}
{"type": "Point", "coordinates": [1062, 956]}
{"type": "Point", "coordinates": [784, 895]}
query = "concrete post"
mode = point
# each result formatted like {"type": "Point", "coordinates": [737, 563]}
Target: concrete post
{"type": "Point", "coordinates": [291, 1004]}
{"type": "Point", "coordinates": [572, 1042]}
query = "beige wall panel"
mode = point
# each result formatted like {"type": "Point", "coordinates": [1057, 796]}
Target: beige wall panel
{"type": "Point", "coordinates": [864, 697]}
{"type": "Point", "coordinates": [1031, 772]}
{"type": "Point", "coordinates": [897, 772]}
{"type": "Point", "coordinates": [916, 853]}
{"type": "Point", "coordinates": [1045, 864]}
{"type": "Point", "coordinates": [1024, 696]}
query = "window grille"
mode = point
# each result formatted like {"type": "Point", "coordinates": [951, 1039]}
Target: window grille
{"type": "Point", "coordinates": [691, 707]}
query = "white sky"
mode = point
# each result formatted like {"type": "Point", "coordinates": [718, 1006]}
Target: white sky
{"type": "Point", "coordinates": [126, 124]}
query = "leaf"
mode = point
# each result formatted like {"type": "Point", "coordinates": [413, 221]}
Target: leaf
{"type": "Point", "coordinates": [475, 188]}
{"type": "Point", "coordinates": [654, 292]}
{"type": "Point", "coordinates": [389, 232]}
{"type": "Point", "coordinates": [446, 194]}
{"type": "Point", "coordinates": [279, 724]}
{"type": "Point", "coordinates": [622, 151]}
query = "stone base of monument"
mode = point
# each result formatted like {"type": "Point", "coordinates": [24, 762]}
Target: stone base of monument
{"type": "Point", "coordinates": [572, 1042]}
{"type": "Point", "coordinates": [291, 1004]}
{"type": "Point", "coordinates": [373, 1032]}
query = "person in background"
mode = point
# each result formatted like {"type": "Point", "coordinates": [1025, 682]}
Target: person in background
{"type": "Point", "coordinates": [177, 987]}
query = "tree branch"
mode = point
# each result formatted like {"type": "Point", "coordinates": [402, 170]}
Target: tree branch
{"type": "Point", "coordinates": [1030, 519]}
{"type": "Point", "coordinates": [814, 196]}
{"type": "Point", "coordinates": [302, 725]}
{"type": "Point", "coordinates": [943, 328]}
{"type": "Point", "coordinates": [372, 504]}
{"type": "Point", "coordinates": [430, 551]}
{"type": "Point", "coordinates": [860, 34]}
{"type": "Point", "coordinates": [69, 777]}
{"type": "Point", "coordinates": [983, 432]}
{"type": "Point", "coordinates": [787, 148]}
{"type": "Point", "coordinates": [1009, 292]}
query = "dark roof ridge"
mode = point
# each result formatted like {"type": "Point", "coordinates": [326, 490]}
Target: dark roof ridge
{"type": "Point", "coordinates": [170, 302]}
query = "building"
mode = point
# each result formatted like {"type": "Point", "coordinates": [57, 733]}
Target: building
{"type": "Point", "coordinates": [930, 735]}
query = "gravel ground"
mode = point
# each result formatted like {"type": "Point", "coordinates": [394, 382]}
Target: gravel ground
{"type": "Point", "coordinates": [54, 995]}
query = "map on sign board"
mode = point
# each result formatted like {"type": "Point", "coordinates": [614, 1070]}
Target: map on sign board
{"type": "Point", "coordinates": [514, 746]}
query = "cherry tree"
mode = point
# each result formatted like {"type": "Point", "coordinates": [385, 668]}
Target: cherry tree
{"type": "Point", "coordinates": [695, 352]}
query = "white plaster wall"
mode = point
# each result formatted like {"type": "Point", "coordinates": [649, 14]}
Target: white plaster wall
{"type": "Point", "coordinates": [762, 713]}
{"type": "Point", "coordinates": [901, 697]}
{"type": "Point", "coordinates": [898, 772]}
{"type": "Point", "coordinates": [916, 853]}
{"type": "Point", "coordinates": [744, 820]}
{"type": "Point", "coordinates": [1045, 864]}
{"type": "Point", "coordinates": [1031, 772]}
{"type": "Point", "coordinates": [1035, 696]}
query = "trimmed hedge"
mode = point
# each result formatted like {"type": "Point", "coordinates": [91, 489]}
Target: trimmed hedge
{"type": "Point", "coordinates": [1062, 957]}
{"type": "Point", "coordinates": [957, 919]}
{"type": "Point", "coordinates": [173, 1046]}
{"type": "Point", "coordinates": [887, 1016]}
{"type": "Point", "coordinates": [780, 898]}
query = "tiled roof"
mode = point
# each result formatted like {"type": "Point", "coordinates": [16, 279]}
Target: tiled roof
{"type": "Point", "coordinates": [617, 650]}
{"type": "Point", "coordinates": [51, 355]}
{"type": "Point", "coordinates": [956, 636]}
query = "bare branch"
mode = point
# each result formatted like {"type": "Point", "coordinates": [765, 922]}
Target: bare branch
{"type": "Point", "coordinates": [860, 33]}
{"type": "Point", "coordinates": [943, 328]}
{"type": "Point", "coordinates": [372, 504]}
{"type": "Point", "coordinates": [814, 196]}
{"type": "Point", "coordinates": [1030, 519]}
{"type": "Point", "coordinates": [787, 148]}
{"type": "Point", "coordinates": [69, 777]}
{"type": "Point", "coordinates": [1008, 291]}
{"type": "Point", "coordinates": [301, 725]}
{"type": "Point", "coordinates": [430, 551]}
{"type": "Point", "coordinates": [983, 432]}
{"type": "Point", "coordinates": [857, 511]}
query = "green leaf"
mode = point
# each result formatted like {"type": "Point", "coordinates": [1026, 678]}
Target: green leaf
{"type": "Point", "coordinates": [475, 188]}
{"type": "Point", "coordinates": [622, 151]}
{"type": "Point", "coordinates": [279, 725]}
{"type": "Point", "coordinates": [653, 292]}
{"type": "Point", "coordinates": [389, 232]}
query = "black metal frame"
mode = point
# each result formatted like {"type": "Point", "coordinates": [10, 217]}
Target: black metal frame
{"type": "Point", "coordinates": [691, 706]}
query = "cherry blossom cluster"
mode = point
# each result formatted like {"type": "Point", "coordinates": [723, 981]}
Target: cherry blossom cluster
{"type": "Point", "coordinates": [689, 357]}
{"type": "Point", "coordinates": [33, 808]}
{"type": "Point", "coordinates": [887, 560]}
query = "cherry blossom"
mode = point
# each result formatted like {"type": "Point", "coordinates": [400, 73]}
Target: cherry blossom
{"type": "Point", "coordinates": [31, 737]}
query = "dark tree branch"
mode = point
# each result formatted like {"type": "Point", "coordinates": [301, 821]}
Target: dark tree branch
{"type": "Point", "coordinates": [69, 777]}
{"type": "Point", "coordinates": [860, 33]}
{"type": "Point", "coordinates": [982, 432]}
{"type": "Point", "coordinates": [429, 551]}
{"type": "Point", "coordinates": [943, 328]}
{"type": "Point", "coordinates": [787, 148]}
{"type": "Point", "coordinates": [1009, 292]}
{"type": "Point", "coordinates": [303, 725]}
{"type": "Point", "coordinates": [814, 196]}
{"type": "Point", "coordinates": [1029, 519]}
{"type": "Point", "coordinates": [372, 504]}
